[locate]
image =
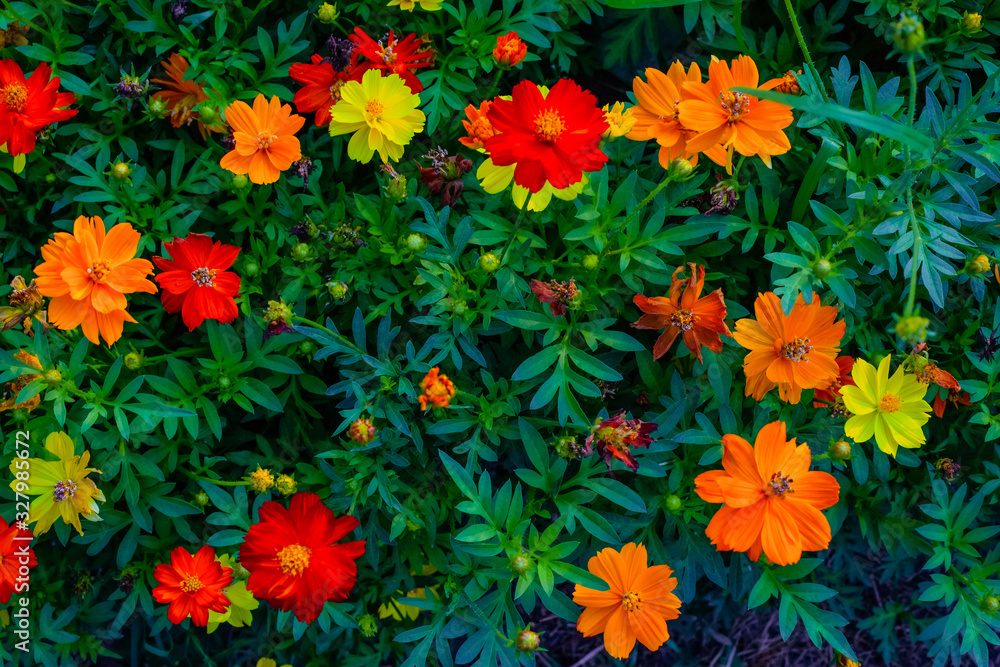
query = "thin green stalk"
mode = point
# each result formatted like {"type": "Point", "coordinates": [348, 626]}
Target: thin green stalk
{"type": "Point", "coordinates": [655, 191]}
{"type": "Point", "coordinates": [911, 298]}
{"type": "Point", "coordinates": [217, 482]}
{"type": "Point", "coordinates": [517, 226]}
{"type": "Point", "coordinates": [316, 325]}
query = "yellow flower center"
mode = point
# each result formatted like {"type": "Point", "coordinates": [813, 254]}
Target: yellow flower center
{"type": "Point", "coordinates": [203, 276]}
{"type": "Point", "coordinates": [631, 601]}
{"type": "Point", "coordinates": [192, 585]}
{"type": "Point", "coordinates": [735, 104]}
{"type": "Point", "coordinates": [779, 485]}
{"type": "Point", "coordinates": [549, 124]}
{"type": "Point", "coordinates": [374, 109]}
{"type": "Point", "coordinates": [64, 490]}
{"type": "Point", "coordinates": [890, 403]}
{"type": "Point", "coordinates": [797, 350]}
{"type": "Point", "coordinates": [682, 319]}
{"type": "Point", "coordinates": [99, 270]}
{"type": "Point", "coordinates": [294, 559]}
{"type": "Point", "coordinates": [264, 140]}
{"type": "Point", "coordinates": [15, 97]}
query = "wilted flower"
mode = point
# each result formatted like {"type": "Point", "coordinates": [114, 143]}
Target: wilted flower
{"type": "Point", "coordinates": [278, 317]}
{"type": "Point", "coordinates": [723, 197]}
{"type": "Point", "coordinates": [340, 49]}
{"type": "Point", "coordinates": [947, 469]}
{"type": "Point", "coordinates": [25, 305]}
{"type": "Point", "coordinates": [132, 87]}
{"type": "Point", "coordinates": [302, 168]}
{"type": "Point", "coordinates": [444, 178]}
{"type": "Point", "coordinates": [13, 388]}
{"type": "Point", "coordinates": [14, 35]}
{"type": "Point", "coordinates": [614, 438]}
{"type": "Point", "coordinates": [788, 84]}
{"type": "Point", "coordinates": [956, 397]}
{"type": "Point", "coordinates": [179, 9]}
{"type": "Point", "coordinates": [438, 390]}
{"type": "Point", "coordinates": [558, 295]}
{"type": "Point", "coordinates": [510, 50]}
{"type": "Point", "coordinates": [989, 345]}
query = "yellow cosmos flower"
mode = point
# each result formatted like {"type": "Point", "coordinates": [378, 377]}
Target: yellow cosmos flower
{"type": "Point", "coordinates": [410, 5]}
{"type": "Point", "coordinates": [620, 120]}
{"type": "Point", "coordinates": [63, 487]}
{"type": "Point", "coordinates": [494, 179]}
{"type": "Point", "coordinates": [382, 113]}
{"type": "Point", "coordinates": [267, 662]}
{"type": "Point", "coordinates": [892, 409]}
{"type": "Point", "coordinates": [19, 160]}
{"type": "Point", "coordinates": [242, 602]}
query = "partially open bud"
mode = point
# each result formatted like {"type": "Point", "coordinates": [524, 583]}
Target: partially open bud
{"type": "Point", "coordinates": [120, 171]}
{"type": "Point", "coordinates": [909, 32]}
{"type": "Point", "coordinates": [361, 431]}
{"type": "Point", "coordinates": [285, 484]}
{"type": "Point", "coordinates": [971, 23]}
{"type": "Point", "coordinates": [840, 450]}
{"type": "Point", "coordinates": [978, 264]}
{"type": "Point", "coordinates": [261, 480]}
{"type": "Point", "coordinates": [510, 50]}
{"type": "Point", "coordinates": [337, 289]}
{"type": "Point", "coordinates": [527, 640]}
{"type": "Point", "coordinates": [489, 262]}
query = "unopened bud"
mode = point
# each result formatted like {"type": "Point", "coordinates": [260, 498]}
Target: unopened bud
{"type": "Point", "coordinates": [912, 329]}
{"type": "Point", "coordinates": [591, 261]}
{"type": "Point", "coordinates": [416, 242]}
{"type": "Point", "coordinates": [200, 499]}
{"type": "Point", "coordinates": [368, 625]}
{"type": "Point", "coordinates": [240, 181]}
{"type": "Point", "coordinates": [120, 171]}
{"type": "Point", "coordinates": [337, 289]}
{"type": "Point", "coordinates": [134, 361]}
{"type": "Point", "coordinates": [840, 450]}
{"type": "Point", "coordinates": [489, 262]}
{"type": "Point", "coordinates": [821, 268]}
{"type": "Point", "coordinates": [527, 640]}
{"type": "Point", "coordinates": [680, 169]}
{"type": "Point", "coordinates": [520, 563]}
{"type": "Point", "coordinates": [672, 503]}
{"type": "Point", "coordinates": [991, 604]}
{"type": "Point", "coordinates": [909, 32]}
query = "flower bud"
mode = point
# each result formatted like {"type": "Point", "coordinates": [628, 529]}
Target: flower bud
{"type": "Point", "coordinates": [53, 377]}
{"type": "Point", "coordinates": [251, 267]}
{"type": "Point", "coordinates": [261, 480]}
{"type": "Point", "coordinates": [908, 32]}
{"type": "Point", "coordinates": [120, 171]}
{"type": "Point", "coordinates": [591, 261]}
{"type": "Point", "coordinates": [224, 382]}
{"type": "Point", "coordinates": [396, 188]}
{"type": "Point", "coordinates": [240, 181]}
{"type": "Point", "coordinates": [416, 242]}
{"type": "Point", "coordinates": [672, 503]}
{"type": "Point", "coordinates": [307, 348]}
{"type": "Point", "coordinates": [821, 268]}
{"type": "Point", "coordinates": [459, 307]}
{"type": "Point", "coordinates": [489, 262]}
{"type": "Point", "coordinates": [368, 625]}
{"type": "Point", "coordinates": [361, 431]}
{"type": "Point", "coordinates": [327, 13]}
{"type": "Point", "coordinates": [971, 23]}
{"type": "Point", "coordinates": [979, 264]}
{"type": "Point", "coordinates": [520, 563]}
{"type": "Point", "coordinates": [912, 329]}
{"type": "Point", "coordinates": [50, 178]}
{"type": "Point", "coordinates": [301, 251]}
{"type": "Point", "coordinates": [207, 114]}
{"type": "Point", "coordinates": [680, 169]}
{"type": "Point", "coordinates": [338, 290]}
{"type": "Point", "coordinates": [840, 450]}
{"type": "Point", "coordinates": [134, 361]}
{"type": "Point", "coordinates": [991, 604]}
{"type": "Point", "coordinates": [158, 106]}
{"type": "Point", "coordinates": [200, 499]}
{"type": "Point", "coordinates": [285, 484]}
{"type": "Point", "coordinates": [510, 50]}
{"type": "Point", "coordinates": [131, 87]}
{"type": "Point", "coordinates": [527, 640]}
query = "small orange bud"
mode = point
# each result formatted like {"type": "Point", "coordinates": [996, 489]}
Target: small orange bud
{"type": "Point", "coordinates": [361, 431]}
{"type": "Point", "coordinates": [510, 50]}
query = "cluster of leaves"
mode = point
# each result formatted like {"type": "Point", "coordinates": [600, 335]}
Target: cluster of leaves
{"type": "Point", "coordinates": [868, 210]}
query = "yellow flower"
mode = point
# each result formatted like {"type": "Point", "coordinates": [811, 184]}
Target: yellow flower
{"type": "Point", "coordinates": [241, 601]}
{"type": "Point", "coordinates": [495, 179]}
{"type": "Point", "coordinates": [382, 113]}
{"type": "Point", "coordinates": [261, 480]}
{"type": "Point", "coordinates": [63, 487]}
{"type": "Point", "coordinates": [267, 662]}
{"type": "Point", "coordinates": [409, 5]}
{"type": "Point", "coordinates": [620, 120]}
{"type": "Point", "coordinates": [285, 484]}
{"type": "Point", "coordinates": [892, 409]}
{"type": "Point", "coordinates": [399, 611]}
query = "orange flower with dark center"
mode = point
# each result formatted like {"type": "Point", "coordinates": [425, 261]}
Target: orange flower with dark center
{"type": "Point", "coordinates": [192, 585]}
{"type": "Point", "coordinates": [956, 397]}
{"type": "Point", "coordinates": [196, 282]}
{"type": "Point", "coordinates": [322, 87]}
{"type": "Point", "coordinates": [438, 390]}
{"type": "Point", "coordinates": [772, 499]}
{"type": "Point", "coordinates": [656, 114]}
{"type": "Point", "coordinates": [293, 557]}
{"type": "Point", "coordinates": [510, 50]}
{"type": "Point", "coordinates": [478, 126]}
{"type": "Point", "coordinates": [736, 121]}
{"type": "Point", "coordinates": [180, 96]}
{"type": "Point", "coordinates": [88, 273]}
{"type": "Point", "coordinates": [28, 105]}
{"type": "Point", "coordinates": [392, 56]}
{"type": "Point", "coordinates": [699, 321]}
{"type": "Point", "coordinates": [830, 396]}
{"type": "Point", "coordinates": [793, 352]}
{"type": "Point", "coordinates": [637, 605]}
{"type": "Point", "coordinates": [265, 139]}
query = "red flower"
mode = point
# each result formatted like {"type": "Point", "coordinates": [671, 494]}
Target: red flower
{"type": "Point", "coordinates": [196, 282]}
{"type": "Point", "coordinates": [615, 437]}
{"type": "Point", "coordinates": [293, 561]}
{"type": "Point", "coordinates": [192, 585]}
{"type": "Point", "coordinates": [395, 56]}
{"type": "Point", "coordinates": [321, 90]}
{"type": "Point", "coordinates": [14, 554]}
{"type": "Point", "coordinates": [557, 294]}
{"type": "Point", "coordinates": [26, 106]}
{"type": "Point", "coordinates": [510, 50]}
{"type": "Point", "coordinates": [956, 397]}
{"type": "Point", "coordinates": [700, 321]}
{"type": "Point", "coordinates": [552, 137]}
{"type": "Point", "coordinates": [829, 396]}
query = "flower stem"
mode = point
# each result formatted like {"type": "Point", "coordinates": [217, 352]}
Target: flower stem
{"type": "Point", "coordinates": [911, 298]}
{"type": "Point", "coordinates": [217, 482]}
{"type": "Point", "coordinates": [655, 191]}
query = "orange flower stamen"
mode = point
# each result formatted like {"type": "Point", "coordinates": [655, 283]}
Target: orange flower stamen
{"type": "Point", "coordinates": [15, 97]}
{"type": "Point", "coordinates": [735, 104]}
{"type": "Point", "coordinates": [294, 559]}
{"type": "Point", "coordinates": [890, 403]}
{"type": "Point", "coordinates": [192, 585]}
{"type": "Point", "coordinates": [549, 125]}
{"type": "Point", "coordinates": [795, 351]}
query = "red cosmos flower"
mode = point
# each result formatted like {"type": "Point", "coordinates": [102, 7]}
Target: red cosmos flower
{"type": "Point", "coordinates": [699, 321]}
{"type": "Point", "coordinates": [322, 87]}
{"type": "Point", "coordinates": [14, 554]}
{"type": "Point", "coordinates": [956, 397]}
{"type": "Point", "coordinates": [196, 282]}
{"type": "Point", "coordinates": [395, 56]}
{"type": "Point", "coordinates": [552, 138]}
{"type": "Point", "coordinates": [28, 105]}
{"type": "Point", "coordinates": [192, 585]}
{"type": "Point", "coordinates": [830, 396]}
{"type": "Point", "coordinates": [293, 561]}
{"type": "Point", "coordinates": [615, 437]}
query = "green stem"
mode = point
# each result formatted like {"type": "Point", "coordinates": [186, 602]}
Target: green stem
{"type": "Point", "coordinates": [655, 191]}
{"type": "Point", "coordinates": [911, 298]}
{"type": "Point", "coordinates": [217, 482]}
{"type": "Point", "coordinates": [517, 226]}
{"type": "Point", "coordinates": [316, 325]}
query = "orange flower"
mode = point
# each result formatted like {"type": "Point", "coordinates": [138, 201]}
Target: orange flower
{"type": "Point", "coordinates": [510, 50]}
{"type": "Point", "coordinates": [265, 139]}
{"type": "Point", "coordinates": [192, 585]}
{"type": "Point", "coordinates": [699, 321]}
{"type": "Point", "coordinates": [438, 390]}
{"type": "Point", "coordinates": [772, 499]}
{"type": "Point", "coordinates": [931, 373]}
{"type": "Point", "coordinates": [788, 84]}
{"type": "Point", "coordinates": [638, 604]}
{"type": "Point", "coordinates": [656, 114]}
{"type": "Point", "coordinates": [180, 96]}
{"type": "Point", "coordinates": [736, 121]}
{"type": "Point", "coordinates": [794, 352]}
{"type": "Point", "coordinates": [88, 273]}
{"type": "Point", "coordinates": [956, 397]}
{"type": "Point", "coordinates": [478, 126]}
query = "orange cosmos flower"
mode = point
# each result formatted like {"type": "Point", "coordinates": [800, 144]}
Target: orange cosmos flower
{"type": "Point", "coordinates": [510, 50]}
{"type": "Point", "coordinates": [736, 121]}
{"type": "Point", "coordinates": [637, 605]}
{"type": "Point", "coordinates": [794, 352]}
{"type": "Point", "coordinates": [192, 585]}
{"type": "Point", "coordinates": [265, 139]}
{"type": "Point", "coordinates": [438, 390]}
{"type": "Point", "coordinates": [656, 114]}
{"type": "Point", "coordinates": [478, 126]}
{"type": "Point", "coordinates": [772, 499]}
{"type": "Point", "coordinates": [180, 96]}
{"type": "Point", "coordinates": [88, 273]}
{"type": "Point", "coordinates": [700, 321]}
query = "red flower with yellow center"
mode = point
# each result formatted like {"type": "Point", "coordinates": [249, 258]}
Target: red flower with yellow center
{"type": "Point", "coordinates": [321, 90]}
{"type": "Point", "coordinates": [699, 321]}
{"type": "Point", "coordinates": [478, 126]}
{"type": "Point", "coordinates": [293, 559]}
{"type": "Point", "coordinates": [438, 390]}
{"type": "Point", "coordinates": [195, 281]}
{"type": "Point", "coordinates": [28, 105]}
{"type": "Point", "coordinates": [550, 138]}
{"type": "Point", "coordinates": [192, 585]}
{"type": "Point", "coordinates": [392, 56]}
